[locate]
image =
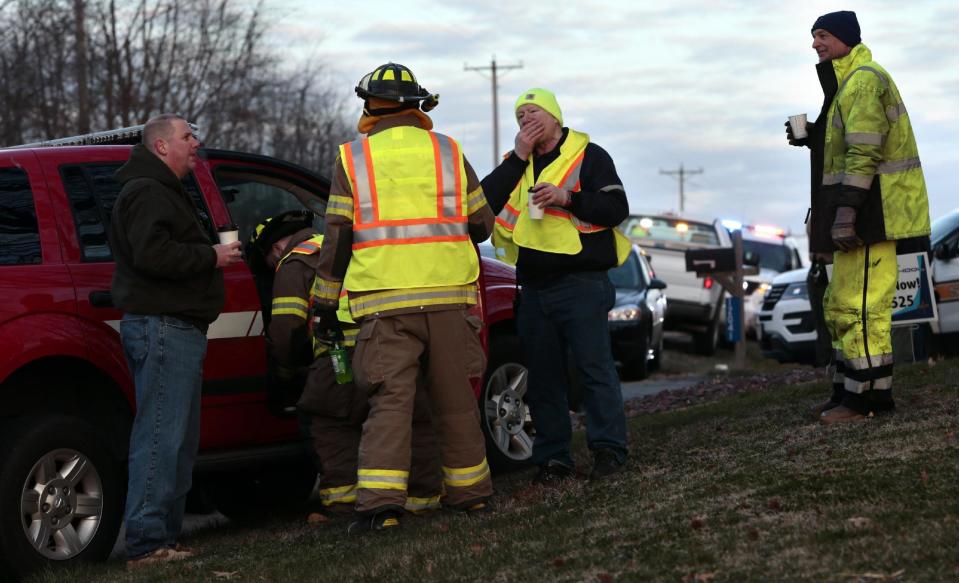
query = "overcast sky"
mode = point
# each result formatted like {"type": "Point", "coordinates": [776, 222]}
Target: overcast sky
{"type": "Point", "coordinates": [705, 83]}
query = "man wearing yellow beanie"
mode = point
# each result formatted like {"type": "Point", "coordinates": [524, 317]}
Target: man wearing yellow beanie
{"type": "Point", "coordinates": [558, 200]}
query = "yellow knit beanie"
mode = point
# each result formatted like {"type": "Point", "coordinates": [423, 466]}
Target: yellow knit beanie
{"type": "Point", "coordinates": [541, 98]}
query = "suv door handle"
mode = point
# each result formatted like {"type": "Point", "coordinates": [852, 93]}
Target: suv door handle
{"type": "Point", "coordinates": [101, 299]}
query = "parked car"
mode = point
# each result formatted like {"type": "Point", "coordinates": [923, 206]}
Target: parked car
{"type": "Point", "coordinates": [637, 319]}
{"type": "Point", "coordinates": [945, 272]}
{"type": "Point", "coordinates": [66, 396]}
{"type": "Point", "coordinates": [776, 253]}
{"type": "Point", "coordinates": [788, 329]}
{"type": "Point", "coordinates": [695, 304]}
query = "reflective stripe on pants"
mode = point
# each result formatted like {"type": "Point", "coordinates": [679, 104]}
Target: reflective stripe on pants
{"type": "Point", "coordinates": [858, 307]}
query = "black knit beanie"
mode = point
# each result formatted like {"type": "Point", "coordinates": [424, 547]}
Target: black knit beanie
{"type": "Point", "coordinates": [843, 25]}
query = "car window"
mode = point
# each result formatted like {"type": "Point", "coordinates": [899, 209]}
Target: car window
{"type": "Point", "coordinates": [19, 232]}
{"type": "Point", "coordinates": [670, 230]}
{"type": "Point", "coordinates": [252, 197]}
{"type": "Point", "coordinates": [944, 226]}
{"type": "Point", "coordinates": [628, 275]}
{"type": "Point", "coordinates": [93, 190]}
{"type": "Point", "coordinates": [773, 256]}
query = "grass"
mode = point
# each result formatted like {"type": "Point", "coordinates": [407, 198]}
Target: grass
{"type": "Point", "coordinates": [746, 488]}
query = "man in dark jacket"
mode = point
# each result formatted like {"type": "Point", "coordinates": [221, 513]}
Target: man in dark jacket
{"type": "Point", "coordinates": [169, 286]}
{"type": "Point", "coordinates": [558, 198]}
{"type": "Point", "coordinates": [868, 199]}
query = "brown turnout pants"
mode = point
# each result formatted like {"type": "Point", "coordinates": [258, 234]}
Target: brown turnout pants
{"type": "Point", "coordinates": [391, 352]}
{"type": "Point", "coordinates": [338, 413]}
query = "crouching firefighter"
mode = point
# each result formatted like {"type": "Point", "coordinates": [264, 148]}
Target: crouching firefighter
{"type": "Point", "coordinates": [404, 206]}
{"type": "Point", "coordinates": [290, 245]}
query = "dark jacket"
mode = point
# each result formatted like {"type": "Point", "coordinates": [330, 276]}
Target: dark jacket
{"type": "Point", "coordinates": [821, 217]}
{"type": "Point", "coordinates": [165, 262]}
{"type": "Point", "coordinates": [593, 204]}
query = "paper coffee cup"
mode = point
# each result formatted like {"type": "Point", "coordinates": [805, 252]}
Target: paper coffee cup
{"type": "Point", "coordinates": [228, 234]}
{"type": "Point", "coordinates": [535, 211]}
{"type": "Point", "coordinates": [798, 125]}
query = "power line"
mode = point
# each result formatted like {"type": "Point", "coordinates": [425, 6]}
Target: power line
{"type": "Point", "coordinates": [493, 68]}
{"type": "Point", "coordinates": [682, 173]}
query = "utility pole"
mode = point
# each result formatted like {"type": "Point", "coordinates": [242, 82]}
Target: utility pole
{"type": "Point", "coordinates": [493, 67]}
{"type": "Point", "coordinates": [682, 173]}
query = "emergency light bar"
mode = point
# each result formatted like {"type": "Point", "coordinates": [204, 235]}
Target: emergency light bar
{"type": "Point", "coordinates": [118, 137]}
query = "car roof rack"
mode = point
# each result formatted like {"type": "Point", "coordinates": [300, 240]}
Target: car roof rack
{"type": "Point", "coordinates": [118, 137]}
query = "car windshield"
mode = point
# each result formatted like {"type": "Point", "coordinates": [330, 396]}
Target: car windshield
{"type": "Point", "coordinates": [773, 256]}
{"type": "Point", "coordinates": [943, 226]}
{"type": "Point", "coordinates": [670, 230]}
{"type": "Point", "coordinates": [627, 275]}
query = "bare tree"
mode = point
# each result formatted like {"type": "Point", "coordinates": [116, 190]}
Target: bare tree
{"type": "Point", "coordinates": [205, 59]}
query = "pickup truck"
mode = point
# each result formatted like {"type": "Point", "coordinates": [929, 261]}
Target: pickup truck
{"type": "Point", "coordinates": [66, 397]}
{"type": "Point", "coordinates": [694, 305]}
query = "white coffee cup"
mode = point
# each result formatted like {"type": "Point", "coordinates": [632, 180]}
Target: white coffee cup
{"type": "Point", "coordinates": [228, 236]}
{"type": "Point", "coordinates": [535, 211]}
{"type": "Point", "coordinates": [798, 125]}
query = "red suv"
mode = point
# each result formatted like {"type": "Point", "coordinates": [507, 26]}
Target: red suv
{"type": "Point", "coordinates": [66, 397]}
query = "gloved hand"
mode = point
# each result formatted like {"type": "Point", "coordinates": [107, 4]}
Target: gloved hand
{"type": "Point", "coordinates": [844, 229]}
{"type": "Point", "coordinates": [325, 324]}
{"type": "Point", "coordinates": [798, 141]}
{"type": "Point", "coordinates": [283, 389]}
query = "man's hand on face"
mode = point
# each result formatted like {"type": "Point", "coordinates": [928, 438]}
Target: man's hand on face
{"type": "Point", "coordinates": [228, 254]}
{"type": "Point", "coordinates": [527, 137]}
{"type": "Point", "coordinates": [545, 194]}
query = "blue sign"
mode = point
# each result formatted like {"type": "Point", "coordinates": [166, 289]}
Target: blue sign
{"type": "Point", "coordinates": [734, 326]}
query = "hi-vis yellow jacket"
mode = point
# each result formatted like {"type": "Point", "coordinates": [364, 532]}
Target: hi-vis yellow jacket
{"type": "Point", "coordinates": [409, 212]}
{"type": "Point", "coordinates": [868, 134]}
{"type": "Point", "coordinates": [558, 231]}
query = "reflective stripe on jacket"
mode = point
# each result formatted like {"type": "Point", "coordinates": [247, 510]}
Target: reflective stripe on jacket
{"type": "Point", "coordinates": [558, 231]}
{"type": "Point", "coordinates": [410, 212]}
{"type": "Point", "coordinates": [868, 133]}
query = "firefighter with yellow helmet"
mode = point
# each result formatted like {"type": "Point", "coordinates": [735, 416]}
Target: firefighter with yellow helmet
{"type": "Point", "coordinates": [405, 208]}
{"type": "Point", "coordinates": [288, 247]}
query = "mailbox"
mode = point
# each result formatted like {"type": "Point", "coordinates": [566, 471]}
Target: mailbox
{"type": "Point", "coordinates": [721, 259]}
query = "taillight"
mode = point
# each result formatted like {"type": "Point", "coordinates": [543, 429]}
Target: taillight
{"type": "Point", "coordinates": [707, 282]}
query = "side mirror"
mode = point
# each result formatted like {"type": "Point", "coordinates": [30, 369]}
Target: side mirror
{"type": "Point", "coordinates": [946, 251]}
{"type": "Point", "coordinates": [750, 258]}
{"type": "Point", "coordinates": [657, 283]}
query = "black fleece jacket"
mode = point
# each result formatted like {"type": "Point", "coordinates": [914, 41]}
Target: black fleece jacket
{"type": "Point", "coordinates": [593, 204]}
{"type": "Point", "coordinates": [165, 262]}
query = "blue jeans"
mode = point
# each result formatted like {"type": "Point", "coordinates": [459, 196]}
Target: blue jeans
{"type": "Point", "coordinates": [165, 356]}
{"type": "Point", "coordinates": [565, 318]}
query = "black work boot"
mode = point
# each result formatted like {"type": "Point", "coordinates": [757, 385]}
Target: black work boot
{"type": "Point", "coordinates": [383, 520]}
{"type": "Point", "coordinates": [834, 401]}
{"type": "Point", "coordinates": [605, 463]}
{"type": "Point", "coordinates": [553, 473]}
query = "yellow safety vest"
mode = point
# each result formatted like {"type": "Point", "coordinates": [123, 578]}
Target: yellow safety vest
{"type": "Point", "coordinates": [558, 231]}
{"type": "Point", "coordinates": [410, 221]}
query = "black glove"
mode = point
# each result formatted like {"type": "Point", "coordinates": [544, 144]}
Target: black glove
{"type": "Point", "coordinates": [844, 229]}
{"type": "Point", "coordinates": [800, 141]}
{"type": "Point", "coordinates": [283, 389]}
{"type": "Point", "coordinates": [325, 324]}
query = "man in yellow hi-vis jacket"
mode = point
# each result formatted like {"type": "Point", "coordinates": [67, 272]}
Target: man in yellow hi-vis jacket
{"type": "Point", "coordinates": [404, 209]}
{"type": "Point", "coordinates": [289, 245]}
{"type": "Point", "coordinates": [558, 199]}
{"type": "Point", "coordinates": [868, 194]}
